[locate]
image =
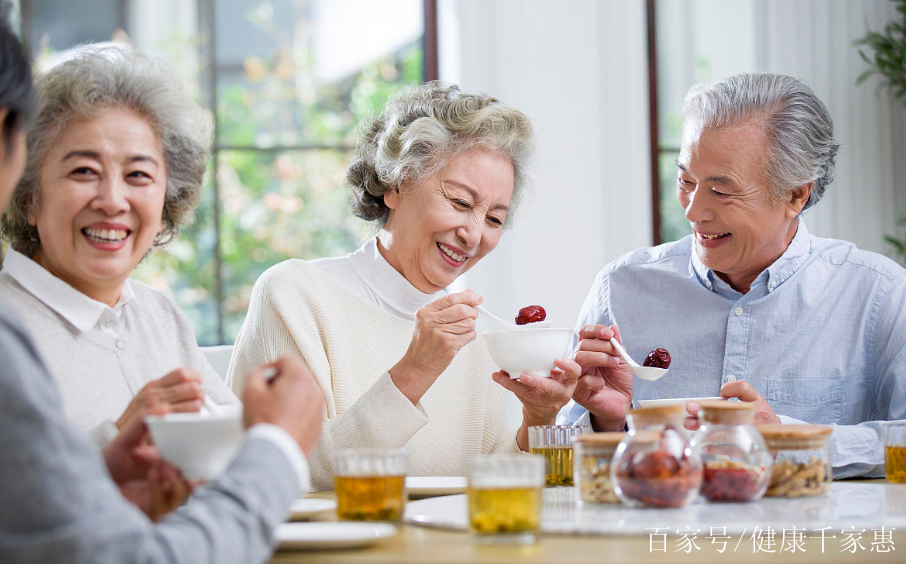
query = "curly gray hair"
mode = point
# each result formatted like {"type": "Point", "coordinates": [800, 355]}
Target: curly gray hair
{"type": "Point", "coordinates": [419, 129]}
{"type": "Point", "coordinates": [91, 80]}
{"type": "Point", "coordinates": [800, 131]}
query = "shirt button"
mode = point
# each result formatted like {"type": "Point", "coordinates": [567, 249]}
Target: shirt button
{"type": "Point", "coordinates": [120, 345]}
{"type": "Point", "coordinates": [738, 311]}
{"type": "Point", "coordinates": [108, 324]}
{"type": "Point", "coordinates": [731, 378]}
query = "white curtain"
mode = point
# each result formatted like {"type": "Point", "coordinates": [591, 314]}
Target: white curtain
{"type": "Point", "coordinates": [813, 40]}
{"type": "Point", "coordinates": [578, 68]}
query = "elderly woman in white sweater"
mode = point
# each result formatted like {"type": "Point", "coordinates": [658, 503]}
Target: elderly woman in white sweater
{"type": "Point", "coordinates": [397, 356]}
{"type": "Point", "coordinates": [115, 161]}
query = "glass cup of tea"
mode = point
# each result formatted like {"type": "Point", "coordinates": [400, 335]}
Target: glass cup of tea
{"type": "Point", "coordinates": [505, 500]}
{"type": "Point", "coordinates": [370, 484]}
{"type": "Point", "coordinates": [554, 443]}
{"type": "Point", "coordinates": [895, 452]}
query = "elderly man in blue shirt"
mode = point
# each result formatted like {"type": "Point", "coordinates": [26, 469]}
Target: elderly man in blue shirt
{"type": "Point", "coordinates": [750, 305]}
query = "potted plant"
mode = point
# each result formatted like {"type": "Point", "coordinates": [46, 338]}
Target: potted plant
{"type": "Point", "coordinates": [885, 54]}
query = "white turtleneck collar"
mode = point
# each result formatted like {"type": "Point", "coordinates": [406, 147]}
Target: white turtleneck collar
{"type": "Point", "coordinates": [367, 273]}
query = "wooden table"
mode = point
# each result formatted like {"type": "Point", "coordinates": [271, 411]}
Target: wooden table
{"type": "Point", "coordinates": [417, 544]}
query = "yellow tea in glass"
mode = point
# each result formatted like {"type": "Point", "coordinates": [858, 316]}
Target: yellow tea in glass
{"type": "Point", "coordinates": [505, 498]}
{"type": "Point", "coordinates": [504, 510]}
{"type": "Point", "coordinates": [370, 484]}
{"type": "Point", "coordinates": [558, 464]}
{"type": "Point", "coordinates": [895, 452]}
{"type": "Point", "coordinates": [370, 498]}
{"type": "Point", "coordinates": [554, 444]}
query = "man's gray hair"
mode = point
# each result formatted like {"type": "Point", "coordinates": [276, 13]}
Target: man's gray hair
{"type": "Point", "coordinates": [90, 80]}
{"type": "Point", "coordinates": [419, 130]}
{"type": "Point", "coordinates": [799, 129]}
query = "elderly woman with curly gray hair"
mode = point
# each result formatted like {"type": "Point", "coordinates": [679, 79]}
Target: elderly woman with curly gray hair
{"type": "Point", "coordinates": [397, 355]}
{"type": "Point", "coordinates": [116, 157]}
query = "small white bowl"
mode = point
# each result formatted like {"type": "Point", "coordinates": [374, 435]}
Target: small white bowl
{"type": "Point", "coordinates": [528, 351]}
{"type": "Point", "coordinates": [201, 446]}
{"type": "Point", "coordinates": [672, 401]}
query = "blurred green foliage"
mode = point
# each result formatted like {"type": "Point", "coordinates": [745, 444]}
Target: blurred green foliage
{"type": "Point", "coordinates": [885, 55]}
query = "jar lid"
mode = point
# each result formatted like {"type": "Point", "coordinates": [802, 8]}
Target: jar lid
{"type": "Point", "coordinates": [645, 437]}
{"type": "Point", "coordinates": [658, 410]}
{"type": "Point", "coordinates": [602, 439]}
{"type": "Point", "coordinates": [779, 431]}
{"type": "Point", "coordinates": [726, 412]}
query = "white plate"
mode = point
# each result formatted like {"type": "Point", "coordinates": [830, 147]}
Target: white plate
{"type": "Point", "coordinates": [672, 401]}
{"type": "Point", "coordinates": [306, 507]}
{"type": "Point", "coordinates": [426, 486]}
{"type": "Point", "coordinates": [322, 536]}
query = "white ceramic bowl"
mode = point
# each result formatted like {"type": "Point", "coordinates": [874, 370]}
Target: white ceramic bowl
{"type": "Point", "coordinates": [528, 351]}
{"type": "Point", "coordinates": [201, 446]}
{"type": "Point", "coordinates": [672, 401]}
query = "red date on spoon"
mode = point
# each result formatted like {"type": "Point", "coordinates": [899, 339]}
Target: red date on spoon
{"type": "Point", "coordinates": [530, 314]}
{"type": "Point", "coordinates": [658, 358]}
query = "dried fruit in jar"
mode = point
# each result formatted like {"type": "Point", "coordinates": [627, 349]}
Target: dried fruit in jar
{"type": "Point", "coordinates": [658, 358]}
{"type": "Point", "coordinates": [731, 480]}
{"type": "Point", "coordinates": [659, 478]}
{"type": "Point", "coordinates": [530, 314]}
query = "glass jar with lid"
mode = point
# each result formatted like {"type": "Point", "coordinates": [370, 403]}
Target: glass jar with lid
{"type": "Point", "coordinates": [654, 464]}
{"type": "Point", "coordinates": [592, 456]}
{"type": "Point", "coordinates": [736, 460]}
{"type": "Point", "coordinates": [802, 459]}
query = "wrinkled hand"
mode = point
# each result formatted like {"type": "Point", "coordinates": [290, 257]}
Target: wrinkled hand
{"type": "Point", "coordinates": [745, 392]}
{"type": "Point", "coordinates": [178, 391]}
{"type": "Point", "coordinates": [605, 386]}
{"type": "Point", "coordinates": [442, 328]}
{"type": "Point", "coordinates": [144, 478]}
{"type": "Point", "coordinates": [542, 398]}
{"type": "Point", "coordinates": [291, 400]}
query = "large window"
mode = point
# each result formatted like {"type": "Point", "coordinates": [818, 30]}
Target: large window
{"type": "Point", "coordinates": [696, 41]}
{"type": "Point", "coordinates": [286, 81]}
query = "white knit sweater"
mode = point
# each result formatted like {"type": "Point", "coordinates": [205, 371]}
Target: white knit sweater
{"type": "Point", "coordinates": [350, 344]}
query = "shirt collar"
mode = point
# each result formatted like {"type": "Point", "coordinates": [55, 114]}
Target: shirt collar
{"type": "Point", "coordinates": [74, 306]}
{"type": "Point", "coordinates": [391, 287]}
{"type": "Point", "coordinates": [789, 262]}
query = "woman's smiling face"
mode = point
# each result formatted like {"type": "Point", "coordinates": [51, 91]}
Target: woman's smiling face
{"type": "Point", "coordinates": [441, 227]}
{"type": "Point", "coordinates": [102, 188]}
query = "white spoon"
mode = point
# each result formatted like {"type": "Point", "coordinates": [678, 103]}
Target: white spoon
{"type": "Point", "coordinates": [649, 373]}
{"type": "Point", "coordinates": [507, 326]}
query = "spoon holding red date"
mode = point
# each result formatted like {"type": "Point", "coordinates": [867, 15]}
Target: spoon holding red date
{"type": "Point", "coordinates": [531, 319]}
{"type": "Point", "coordinates": [649, 373]}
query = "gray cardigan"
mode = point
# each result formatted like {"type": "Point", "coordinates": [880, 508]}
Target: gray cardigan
{"type": "Point", "coordinates": [58, 503]}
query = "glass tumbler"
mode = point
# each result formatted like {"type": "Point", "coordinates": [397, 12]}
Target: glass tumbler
{"type": "Point", "coordinates": [505, 498]}
{"type": "Point", "coordinates": [895, 452]}
{"type": "Point", "coordinates": [554, 443]}
{"type": "Point", "coordinates": [370, 484]}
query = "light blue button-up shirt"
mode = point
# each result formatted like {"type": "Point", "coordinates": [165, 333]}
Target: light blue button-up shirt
{"type": "Point", "coordinates": [821, 335]}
